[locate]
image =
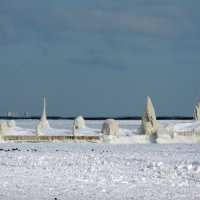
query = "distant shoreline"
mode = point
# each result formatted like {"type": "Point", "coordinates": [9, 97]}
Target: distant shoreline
{"type": "Point", "coordinates": [99, 118]}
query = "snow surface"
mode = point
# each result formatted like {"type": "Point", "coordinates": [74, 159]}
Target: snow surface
{"type": "Point", "coordinates": [80, 170]}
{"type": "Point", "coordinates": [99, 171]}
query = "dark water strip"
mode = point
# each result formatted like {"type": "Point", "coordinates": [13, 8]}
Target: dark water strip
{"type": "Point", "coordinates": [100, 118]}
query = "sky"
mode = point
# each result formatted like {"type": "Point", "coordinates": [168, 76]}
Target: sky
{"type": "Point", "coordinates": [99, 57]}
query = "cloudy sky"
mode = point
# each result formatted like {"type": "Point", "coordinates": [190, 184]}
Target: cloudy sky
{"type": "Point", "coordinates": [99, 57]}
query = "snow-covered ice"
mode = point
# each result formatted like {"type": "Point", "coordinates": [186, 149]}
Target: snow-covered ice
{"type": "Point", "coordinates": [83, 170]}
{"type": "Point", "coordinates": [99, 171]}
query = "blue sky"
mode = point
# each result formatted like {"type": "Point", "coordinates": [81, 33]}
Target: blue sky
{"type": "Point", "coordinates": [99, 57]}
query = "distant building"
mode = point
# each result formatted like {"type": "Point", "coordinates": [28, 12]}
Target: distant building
{"type": "Point", "coordinates": [11, 114]}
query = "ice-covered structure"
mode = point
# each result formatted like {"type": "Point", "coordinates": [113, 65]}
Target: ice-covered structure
{"type": "Point", "coordinates": [38, 129]}
{"type": "Point", "coordinates": [196, 113]}
{"type": "Point", "coordinates": [4, 128]}
{"type": "Point", "coordinates": [79, 122]}
{"type": "Point", "coordinates": [74, 130]}
{"type": "Point", "coordinates": [149, 121]}
{"type": "Point", "coordinates": [110, 127]}
{"type": "Point", "coordinates": [43, 121]}
{"type": "Point", "coordinates": [178, 132]}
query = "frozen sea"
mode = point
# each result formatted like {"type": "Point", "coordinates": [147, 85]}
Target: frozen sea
{"type": "Point", "coordinates": [96, 170]}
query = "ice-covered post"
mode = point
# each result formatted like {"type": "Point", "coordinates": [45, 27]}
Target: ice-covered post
{"type": "Point", "coordinates": [74, 130]}
{"type": "Point", "coordinates": [4, 128]}
{"type": "Point", "coordinates": [38, 130]}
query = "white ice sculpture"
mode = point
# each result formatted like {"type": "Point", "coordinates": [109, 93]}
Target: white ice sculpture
{"type": "Point", "coordinates": [196, 114]}
{"type": "Point", "coordinates": [4, 128]}
{"type": "Point", "coordinates": [110, 127]}
{"type": "Point", "coordinates": [79, 122]}
{"type": "Point", "coordinates": [43, 121]}
{"type": "Point", "coordinates": [149, 121]}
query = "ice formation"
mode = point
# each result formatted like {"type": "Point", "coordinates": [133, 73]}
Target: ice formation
{"type": "Point", "coordinates": [196, 114]}
{"type": "Point", "coordinates": [74, 130]}
{"type": "Point", "coordinates": [110, 127]}
{"type": "Point", "coordinates": [178, 132]}
{"type": "Point", "coordinates": [12, 123]}
{"type": "Point", "coordinates": [43, 121]}
{"type": "Point", "coordinates": [38, 129]}
{"type": "Point", "coordinates": [4, 128]}
{"type": "Point", "coordinates": [79, 122]}
{"type": "Point", "coordinates": [149, 121]}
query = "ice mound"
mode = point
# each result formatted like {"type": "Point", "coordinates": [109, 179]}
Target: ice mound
{"type": "Point", "coordinates": [110, 130]}
{"type": "Point", "coordinates": [149, 121]}
{"type": "Point", "coordinates": [79, 122]}
{"type": "Point", "coordinates": [179, 132]}
{"type": "Point", "coordinates": [4, 128]}
{"type": "Point", "coordinates": [79, 128]}
{"type": "Point", "coordinates": [110, 127]}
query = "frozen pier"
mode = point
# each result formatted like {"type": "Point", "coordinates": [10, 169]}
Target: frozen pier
{"type": "Point", "coordinates": [46, 138]}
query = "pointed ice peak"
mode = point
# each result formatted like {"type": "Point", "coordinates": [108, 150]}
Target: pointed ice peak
{"type": "Point", "coordinates": [149, 113]}
{"type": "Point", "coordinates": [149, 107]}
{"type": "Point", "coordinates": [149, 102]}
{"type": "Point", "coordinates": [44, 104]}
{"type": "Point", "coordinates": [44, 109]}
{"type": "Point", "coordinates": [149, 121]}
{"type": "Point", "coordinates": [43, 121]}
{"type": "Point", "coordinates": [196, 114]}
